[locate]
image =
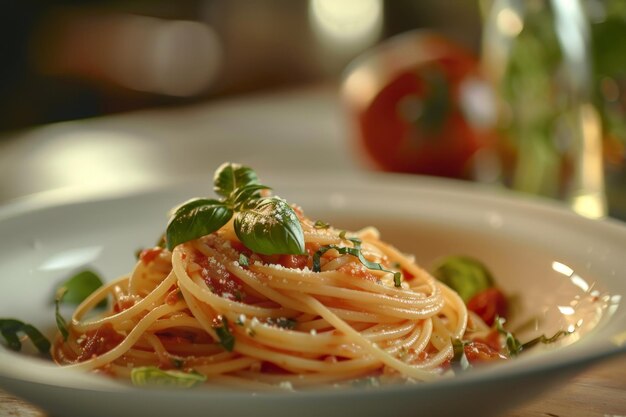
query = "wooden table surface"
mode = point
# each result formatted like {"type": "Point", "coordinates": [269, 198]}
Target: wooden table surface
{"type": "Point", "coordinates": [599, 392]}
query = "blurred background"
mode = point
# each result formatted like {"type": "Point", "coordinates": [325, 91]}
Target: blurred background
{"type": "Point", "coordinates": [69, 59]}
{"type": "Point", "coordinates": [524, 94]}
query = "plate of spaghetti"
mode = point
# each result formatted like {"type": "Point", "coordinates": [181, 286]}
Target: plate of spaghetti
{"type": "Point", "coordinates": [375, 295]}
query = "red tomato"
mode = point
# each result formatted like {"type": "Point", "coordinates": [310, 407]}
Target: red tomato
{"type": "Point", "coordinates": [150, 254]}
{"type": "Point", "coordinates": [488, 304]}
{"type": "Point", "coordinates": [477, 352]}
{"type": "Point", "coordinates": [413, 121]}
{"type": "Point", "coordinates": [294, 261]}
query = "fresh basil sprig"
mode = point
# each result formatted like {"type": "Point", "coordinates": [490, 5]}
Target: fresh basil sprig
{"type": "Point", "coordinates": [356, 252]}
{"type": "Point", "coordinates": [266, 225]}
{"type": "Point", "coordinates": [9, 328]}
{"type": "Point", "coordinates": [230, 177]}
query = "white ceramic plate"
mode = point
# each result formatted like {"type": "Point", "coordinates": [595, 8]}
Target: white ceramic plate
{"type": "Point", "coordinates": [562, 269]}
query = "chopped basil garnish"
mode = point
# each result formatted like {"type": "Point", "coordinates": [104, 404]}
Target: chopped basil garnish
{"type": "Point", "coordinates": [467, 276]}
{"type": "Point", "coordinates": [367, 382]}
{"type": "Point", "coordinates": [74, 291]}
{"type": "Point", "coordinates": [356, 252]}
{"type": "Point", "coordinates": [546, 340]}
{"type": "Point", "coordinates": [178, 363]}
{"type": "Point", "coordinates": [515, 347]}
{"type": "Point", "coordinates": [243, 260]}
{"type": "Point", "coordinates": [265, 225]}
{"type": "Point", "coordinates": [153, 376]}
{"type": "Point", "coordinates": [9, 328]}
{"type": "Point", "coordinates": [282, 322]}
{"type": "Point", "coordinates": [319, 224]}
{"type": "Point", "coordinates": [227, 340]}
{"type": "Point", "coordinates": [459, 359]}
{"type": "Point", "coordinates": [61, 323]}
{"type": "Point", "coordinates": [397, 279]}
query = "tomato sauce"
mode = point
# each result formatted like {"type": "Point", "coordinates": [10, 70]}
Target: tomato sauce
{"type": "Point", "coordinates": [218, 279]}
{"type": "Point", "coordinates": [98, 342]}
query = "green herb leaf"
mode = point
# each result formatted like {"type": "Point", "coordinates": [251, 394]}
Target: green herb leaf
{"type": "Point", "coordinates": [270, 227]}
{"type": "Point", "coordinates": [243, 260]}
{"type": "Point", "coordinates": [397, 279]}
{"type": "Point", "coordinates": [80, 286]}
{"type": "Point", "coordinates": [355, 240]}
{"type": "Point", "coordinates": [196, 218]}
{"type": "Point", "coordinates": [282, 322]}
{"type": "Point", "coordinates": [177, 362]}
{"type": "Point", "coordinates": [546, 340]}
{"type": "Point", "coordinates": [513, 346]}
{"type": "Point", "coordinates": [467, 276]}
{"type": "Point", "coordinates": [459, 359]}
{"type": "Point", "coordinates": [354, 251]}
{"type": "Point", "coordinates": [153, 376]}
{"type": "Point", "coordinates": [319, 224]}
{"type": "Point", "coordinates": [246, 195]}
{"type": "Point", "coordinates": [74, 291]}
{"type": "Point", "coordinates": [9, 328]}
{"type": "Point", "coordinates": [230, 177]}
{"type": "Point", "coordinates": [61, 323]}
{"type": "Point", "coordinates": [227, 340]}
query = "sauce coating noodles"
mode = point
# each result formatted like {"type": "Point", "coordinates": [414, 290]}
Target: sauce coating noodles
{"type": "Point", "coordinates": [213, 307]}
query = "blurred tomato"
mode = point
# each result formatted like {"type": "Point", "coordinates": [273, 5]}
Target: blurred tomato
{"type": "Point", "coordinates": [405, 97]}
{"type": "Point", "coordinates": [488, 305]}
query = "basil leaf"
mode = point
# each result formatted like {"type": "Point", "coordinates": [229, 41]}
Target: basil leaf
{"type": "Point", "coordinates": [9, 328]}
{"type": "Point", "coordinates": [282, 322]}
{"type": "Point", "coordinates": [459, 360]}
{"type": "Point", "coordinates": [513, 345]}
{"type": "Point", "coordinates": [269, 227]}
{"type": "Point", "coordinates": [355, 251]}
{"type": "Point", "coordinates": [80, 286]}
{"type": "Point", "coordinates": [196, 218]}
{"type": "Point", "coordinates": [74, 291]}
{"type": "Point", "coordinates": [319, 224]}
{"type": "Point", "coordinates": [153, 376]}
{"type": "Point", "coordinates": [546, 340]}
{"type": "Point", "coordinates": [243, 260]}
{"type": "Point", "coordinates": [467, 276]}
{"type": "Point", "coordinates": [227, 340]}
{"type": "Point", "coordinates": [61, 323]}
{"type": "Point", "coordinates": [397, 279]}
{"type": "Point", "coordinates": [229, 177]}
{"type": "Point", "coordinates": [244, 196]}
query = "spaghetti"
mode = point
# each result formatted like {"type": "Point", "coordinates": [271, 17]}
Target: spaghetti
{"type": "Point", "coordinates": [215, 308]}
